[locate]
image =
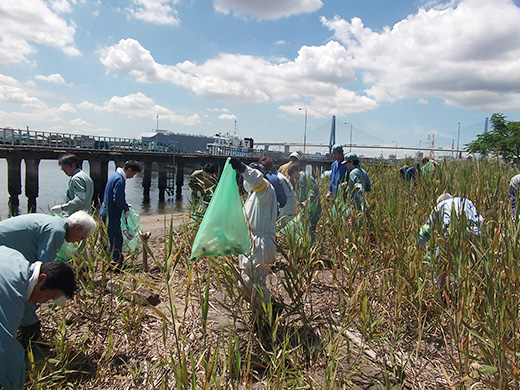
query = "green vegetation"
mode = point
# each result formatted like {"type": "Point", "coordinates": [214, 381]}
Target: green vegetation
{"type": "Point", "coordinates": [361, 305]}
{"type": "Point", "coordinates": [502, 140]}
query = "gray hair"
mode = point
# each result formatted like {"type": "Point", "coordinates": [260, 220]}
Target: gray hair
{"type": "Point", "coordinates": [83, 219]}
{"type": "Point", "coordinates": [443, 197]}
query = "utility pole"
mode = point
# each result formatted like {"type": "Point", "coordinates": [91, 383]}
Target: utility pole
{"type": "Point", "coordinates": [458, 139]}
{"type": "Point", "coordinates": [304, 131]}
{"type": "Point", "coordinates": [348, 123]}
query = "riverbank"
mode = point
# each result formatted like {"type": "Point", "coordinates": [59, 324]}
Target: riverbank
{"type": "Point", "coordinates": [159, 224]}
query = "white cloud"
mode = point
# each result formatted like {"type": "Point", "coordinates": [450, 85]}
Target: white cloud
{"type": "Point", "coordinates": [24, 22]}
{"type": "Point", "coordinates": [316, 73]}
{"type": "Point", "coordinates": [67, 107]}
{"type": "Point", "coordinates": [12, 92]}
{"type": "Point", "coordinates": [54, 78]}
{"type": "Point", "coordinates": [467, 54]}
{"type": "Point", "coordinates": [60, 6]}
{"type": "Point", "coordinates": [217, 109]}
{"type": "Point", "coordinates": [78, 122]}
{"type": "Point", "coordinates": [154, 11]}
{"type": "Point", "coordinates": [228, 117]}
{"type": "Point", "coordinates": [138, 105]}
{"type": "Point", "coordinates": [267, 9]}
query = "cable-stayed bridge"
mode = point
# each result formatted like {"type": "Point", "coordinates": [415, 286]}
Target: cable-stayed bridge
{"type": "Point", "coordinates": [354, 138]}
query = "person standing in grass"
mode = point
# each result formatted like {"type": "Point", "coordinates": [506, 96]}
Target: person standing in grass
{"type": "Point", "coordinates": [276, 182]}
{"type": "Point", "coordinates": [309, 198]}
{"type": "Point", "coordinates": [294, 158]}
{"type": "Point", "coordinates": [80, 189]}
{"type": "Point", "coordinates": [261, 211]}
{"type": "Point", "coordinates": [39, 237]}
{"type": "Point", "coordinates": [22, 282]}
{"type": "Point", "coordinates": [447, 208]}
{"type": "Point", "coordinates": [114, 205]}
{"type": "Point", "coordinates": [358, 182]}
{"type": "Point", "coordinates": [514, 187]}
{"type": "Point", "coordinates": [202, 183]}
{"type": "Point", "coordinates": [413, 173]}
{"type": "Point", "coordinates": [339, 171]}
{"type": "Point", "coordinates": [286, 213]}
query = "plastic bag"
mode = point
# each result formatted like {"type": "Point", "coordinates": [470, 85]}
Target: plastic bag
{"type": "Point", "coordinates": [224, 229]}
{"type": "Point", "coordinates": [131, 227]}
{"type": "Point", "coordinates": [67, 251]}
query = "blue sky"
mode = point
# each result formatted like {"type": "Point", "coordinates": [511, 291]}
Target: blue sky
{"type": "Point", "coordinates": [401, 72]}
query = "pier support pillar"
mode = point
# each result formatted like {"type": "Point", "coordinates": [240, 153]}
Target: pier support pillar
{"type": "Point", "coordinates": [14, 184]}
{"type": "Point", "coordinates": [163, 181]}
{"type": "Point", "coordinates": [147, 181]}
{"type": "Point", "coordinates": [99, 175]}
{"type": "Point", "coordinates": [179, 181]}
{"type": "Point", "coordinates": [31, 183]}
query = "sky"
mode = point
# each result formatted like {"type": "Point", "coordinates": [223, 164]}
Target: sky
{"type": "Point", "coordinates": [399, 73]}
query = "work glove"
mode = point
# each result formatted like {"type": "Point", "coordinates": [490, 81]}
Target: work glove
{"type": "Point", "coordinates": [56, 209]}
{"type": "Point", "coordinates": [237, 165]}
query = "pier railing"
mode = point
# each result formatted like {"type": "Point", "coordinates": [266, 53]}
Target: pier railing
{"type": "Point", "coordinates": [43, 139]}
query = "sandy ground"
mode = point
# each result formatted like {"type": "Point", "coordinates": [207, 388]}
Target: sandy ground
{"type": "Point", "coordinates": [159, 224]}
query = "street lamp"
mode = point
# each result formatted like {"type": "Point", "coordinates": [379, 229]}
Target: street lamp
{"type": "Point", "coordinates": [348, 123]}
{"type": "Point", "coordinates": [304, 131]}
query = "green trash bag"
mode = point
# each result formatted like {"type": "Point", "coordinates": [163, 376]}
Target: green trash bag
{"type": "Point", "coordinates": [224, 229]}
{"type": "Point", "coordinates": [67, 251]}
{"type": "Point", "coordinates": [130, 228]}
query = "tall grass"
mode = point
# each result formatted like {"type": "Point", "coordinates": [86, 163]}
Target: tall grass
{"type": "Point", "coordinates": [361, 304]}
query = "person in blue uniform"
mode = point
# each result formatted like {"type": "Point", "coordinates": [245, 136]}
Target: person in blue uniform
{"type": "Point", "coordinates": [339, 171]}
{"type": "Point", "coordinates": [114, 205]}
{"type": "Point", "coordinates": [276, 182]}
{"type": "Point", "coordinates": [22, 282]}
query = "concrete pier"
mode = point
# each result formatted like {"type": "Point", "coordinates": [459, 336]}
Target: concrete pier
{"type": "Point", "coordinates": [14, 183]}
{"type": "Point", "coordinates": [147, 181]}
{"type": "Point", "coordinates": [31, 183]}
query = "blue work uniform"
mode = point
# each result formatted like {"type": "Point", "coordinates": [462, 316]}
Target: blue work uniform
{"type": "Point", "coordinates": [15, 272]}
{"type": "Point", "coordinates": [38, 237]}
{"type": "Point", "coordinates": [338, 175]}
{"type": "Point", "coordinates": [113, 206]}
{"type": "Point", "coordinates": [275, 181]}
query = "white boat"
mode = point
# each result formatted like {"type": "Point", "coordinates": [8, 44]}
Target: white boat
{"type": "Point", "coordinates": [227, 145]}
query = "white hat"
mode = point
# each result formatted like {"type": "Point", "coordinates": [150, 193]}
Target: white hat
{"type": "Point", "coordinates": [295, 154]}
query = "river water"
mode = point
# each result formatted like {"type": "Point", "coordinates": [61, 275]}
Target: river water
{"type": "Point", "coordinates": [53, 185]}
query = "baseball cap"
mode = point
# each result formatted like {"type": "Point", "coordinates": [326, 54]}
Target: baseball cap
{"type": "Point", "coordinates": [337, 148]}
{"type": "Point", "coordinates": [351, 156]}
